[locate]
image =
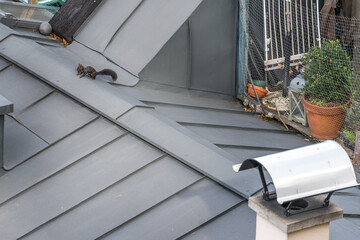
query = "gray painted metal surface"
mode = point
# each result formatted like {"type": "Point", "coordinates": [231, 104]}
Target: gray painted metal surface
{"type": "Point", "coordinates": [245, 152]}
{"type": "Point", "coordinates": [344, 229]}
{"type": "Point", "coordinates": [213, 117]}
{"type": "Point", "coordinates": [98, 61]}
{"type": "Point", "coordinates": [254, 138]}
{"type": "Point", "coordinates": [172, 64]}
{"type": "Point", "coordinates": [147, 30]}
{"type": "Point", "coordinates": [93, 94]}
{"type": "Point", "coordinates": [194, 151]}
{"type": "Point", "coordinates": [203, 201]}
{"type": "Point", "coordinates": [5, 106]}
{"type": "Point", "coordinates": [19, 143]}
{"type": "Point", "coordinates": [5, 32]}
{"type": "Point", "coordinates": [128, 199]}
{"type": "Point", "coordinates": [81, 181]}
{"type": "Point", "coordinates": [100, 28]}
{"type": "Point", "coordinates": [150, 93]}
{"type": "Point", "coordinates": [202, 53]}
{"type": "Point", "coordinates": [62, 84]}
{"type": "Point", "coordinates": [355, 221]}
{"type": "Point", "coordinates": [3, 63]}
{"type": "Point", "coordinates": [349, 199]}
{"type": "Point", "coordinates": [105, 181]}
{"type": "Point", "coordinates": [213, 46]}
{"type": "Point", "coordinates": [240, 219]}
{"type": "Point", "coordinates": [21, 88]}
{"type": "Point", "coordinates": [57, 157]}
{"type": "Point", "coordinates": [55, 116]}
{"type": "Point", "coordinates": [2, 120]}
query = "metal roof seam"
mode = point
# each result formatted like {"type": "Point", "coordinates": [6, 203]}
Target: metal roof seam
{"type": "Point", "coordinates": [112, 104]}
{"type": "Point", "coordinates": [351, 215]}
{"type": "Point", "coordinates": [93, 196]}
{"type": "Point", "coordinates": [27, 128]}
{"type": "Point", "coordinates": [162, 157]}
{"type": "Point", "coordinates": [122, 114]}
{"type": "Point", "coordinates": [239, 128]}
{"type": "Point", "coordinates": [250, 147]}
{"type": "Point", "coordinates": [181, 158]}
{"type": "Point", "coordinates": [37, 101]}
{"type": "Point", "coordinates": [8, 32]}
{"type": "Point", "coordinates": [62, 169]}
{"type": "Point", "coordinates": [118, 30]}
{"type": "Point", "coordinates": [214, 218]}
{"type": "Point", "coordinates": [108, 59]}
{"type": "Point", "coordinates": [49, 144]}
{"type": "Point", "coordinates": [240, 111]}
{"type": "Point", "coordinates": [6, 67]}
{"type": "Point", "coordinates": [149, 209]}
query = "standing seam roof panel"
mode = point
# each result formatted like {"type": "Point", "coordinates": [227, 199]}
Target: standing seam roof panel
{"type": "Point", "coordinates": [93, 94]}
{"type": "Point", "coordinates": [81, 181]}
{"type": "Point", "coordinates": [102, 25]}
{"type": "Point", "coordinates": [180, 214]}
{"type": "Point", "coordinates": [147, 31]}
{"type": "Point", "coordinates": [57, 157]}
{"type": "Point", "coordinates": [121, 202]}
{"type": "Point", "coordinates": [191, 149]}
{"type": "Point", "coordinates": [21, 88]}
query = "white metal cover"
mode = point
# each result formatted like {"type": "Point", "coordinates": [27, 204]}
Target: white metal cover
{"type": "Point", "coordinates": [306, 171]}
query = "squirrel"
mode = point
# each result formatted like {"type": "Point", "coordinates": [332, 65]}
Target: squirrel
{"type": "Point", "coordinates": [91, 72]}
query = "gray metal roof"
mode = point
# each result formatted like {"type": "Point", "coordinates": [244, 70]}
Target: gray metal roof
{"type": "Point", "coordinates": [120, 161]}
{"type": "Point", "coordinates": [137, 29]}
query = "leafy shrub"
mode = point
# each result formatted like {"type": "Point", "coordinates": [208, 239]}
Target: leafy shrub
{"type": "Point", "coordinates": [329, 72]}
{"type": "Point", "coordinates": [350, 136]}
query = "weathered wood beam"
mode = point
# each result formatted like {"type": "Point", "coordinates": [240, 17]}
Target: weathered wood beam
{"type": "Point", "coordinates": [71, 16]}
{"type": "Point", "coordinates": [356, 160]}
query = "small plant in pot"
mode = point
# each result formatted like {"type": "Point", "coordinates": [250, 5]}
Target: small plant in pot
{"type": "Point", "coordinates": [330, 75]}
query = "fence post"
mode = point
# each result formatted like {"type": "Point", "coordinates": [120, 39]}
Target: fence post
{"type": "Point", "coordinates": [357, 149]}
{"type": "Point", "coordinates": [287, 48]}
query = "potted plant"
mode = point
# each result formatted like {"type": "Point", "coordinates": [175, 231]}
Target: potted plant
{"type": "Point", "coordinates": [329, 73]}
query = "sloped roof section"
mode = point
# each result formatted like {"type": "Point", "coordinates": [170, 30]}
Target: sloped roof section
{"type": "Point", "coordinates": [98, 177]}
{"type": "Point", "coordinates": [130, 113]}
{"type": "Point", "coordinates": [138, 30]}
{"type": "Point", "coordinates": [97, 32]}
{"type": "Point", "coordinates": [62, 73]}
{"type": "Point", "coordinates": [132, 155]}
{"type": "Point", "coordinates": [20, 143]}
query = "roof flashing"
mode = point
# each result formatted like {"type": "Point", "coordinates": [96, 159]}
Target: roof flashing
{"type": "Point", "coordinates": [5, 106]}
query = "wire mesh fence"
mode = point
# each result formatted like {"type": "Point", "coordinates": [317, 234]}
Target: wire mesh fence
{"type": "Point", "coordinates": [306, 53]}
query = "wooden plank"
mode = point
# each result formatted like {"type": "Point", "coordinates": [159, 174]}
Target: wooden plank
{"type": "Point", "coordinates": [282, 59]}
{"type": "Point", "coordinates": [71, 16]}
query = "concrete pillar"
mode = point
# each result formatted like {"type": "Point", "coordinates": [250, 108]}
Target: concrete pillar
{"type": "Point", "coordinates": [273, 224]}
{"type": "Point", "coordinates": [5, 107]}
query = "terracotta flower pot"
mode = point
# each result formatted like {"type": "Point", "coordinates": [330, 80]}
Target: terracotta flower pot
{"type": "Point", "coordinates": [324, 122]}
{"type": "Point", "coordinates": [260, 91]}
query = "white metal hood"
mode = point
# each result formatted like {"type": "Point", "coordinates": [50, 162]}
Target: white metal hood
{"type": "Point", "coordinates": [306, 171]}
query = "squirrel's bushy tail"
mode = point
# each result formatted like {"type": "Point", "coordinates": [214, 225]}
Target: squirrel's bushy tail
{"type": "Point", "coordinates": [108, 72]}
